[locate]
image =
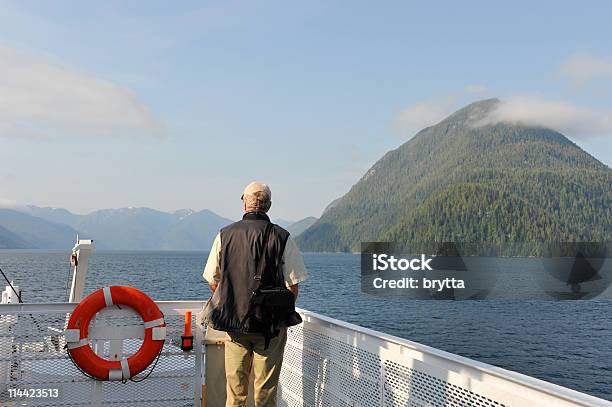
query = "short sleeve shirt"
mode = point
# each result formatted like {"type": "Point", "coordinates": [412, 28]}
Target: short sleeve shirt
{"type": "Point", "coordinates": [292, 263]}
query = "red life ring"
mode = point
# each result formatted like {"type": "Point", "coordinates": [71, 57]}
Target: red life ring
{"type": "Point", "coordinates": [101, 368]}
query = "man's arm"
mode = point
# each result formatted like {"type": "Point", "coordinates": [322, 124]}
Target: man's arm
{"type": "Point", "coordinates": [212, 270]}
{"type": "Point", "coordinates": [293, 267]}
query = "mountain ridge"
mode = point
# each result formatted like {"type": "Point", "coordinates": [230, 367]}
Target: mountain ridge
{"type": "Point", "coordinates": [128, 228]}
{"type": "Point", "coordinates": [432, 177]}
{"type": "Point", "coordinates": [142, 228]}
{"type": "Point", "coordinates": [31, 232]}
{"type": "Point", "coordinates": [298, 227]}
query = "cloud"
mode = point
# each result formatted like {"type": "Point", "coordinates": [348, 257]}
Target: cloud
{"type": "Point", "coordinates": [39, 98]}
{"type": "Point", "coordinates": [566, 117]}
{"type": "Point", "coordinates": [426, 113]}
{"type": "Point", "coordinates": [580, 69]}
{"type": "Point", "coordinates": [7, 203]}
{"type": "Point", "coordinates": [431, 111]}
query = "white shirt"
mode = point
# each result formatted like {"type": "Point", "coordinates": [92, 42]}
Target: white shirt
{"type": "Point", "coordinates": [292, 263]}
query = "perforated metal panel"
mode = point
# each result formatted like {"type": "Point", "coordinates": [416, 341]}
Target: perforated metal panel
{"type": "Point", "coordinates": [325, 371]}
{"type": "Point", "coordinates": [32, 356]}
{"type": "Point", "coordinates": [406, 386]}
{"type": "Point", "coordinates": [331, 363]}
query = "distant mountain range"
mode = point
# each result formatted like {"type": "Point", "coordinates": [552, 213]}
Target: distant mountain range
{"type": "Point", "coordinates": [10, 240]}
{"type": "Point", "coordinates": [114, 229]}
{"type": "Point", "coordinates": [23, 231]}
{"type": "Point", "coordinates": [297, 228]}
{"type": "Point", "coordinates": [33, 227]}
{"type": "Point", "coordinates": [463, 181]}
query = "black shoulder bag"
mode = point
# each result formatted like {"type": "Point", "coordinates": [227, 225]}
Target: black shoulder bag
{"type": "Point", "coordinates": [271, 307]}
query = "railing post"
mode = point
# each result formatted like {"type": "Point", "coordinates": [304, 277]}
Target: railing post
{"type": "Point", "coordinates": [80, 261]}
{"type": "Point", "coordinates": [198, 348]}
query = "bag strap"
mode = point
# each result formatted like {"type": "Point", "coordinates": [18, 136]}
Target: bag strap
{"type": "Point", "coordinates": [258, 271]}
{"type": "Point", "coordinates": [280, 278]}
{"type": "Point", "coordinates": [262, 253]}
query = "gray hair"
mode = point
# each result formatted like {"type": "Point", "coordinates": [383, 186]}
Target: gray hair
{"type": "Point", "coordinates": [258, 201]}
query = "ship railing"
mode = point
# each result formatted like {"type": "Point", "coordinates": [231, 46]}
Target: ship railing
{"type": "Point", "coordinates": [32, 357]}
{"type": "Point", "coordinates": [327, 362]}
{"type": "Point", "coordinates": [333, 363]}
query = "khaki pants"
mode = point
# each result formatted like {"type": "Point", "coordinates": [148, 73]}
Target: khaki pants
{"type": "Point", "coordinates": [244, 352]}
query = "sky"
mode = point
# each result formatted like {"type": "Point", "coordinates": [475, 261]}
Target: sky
{"type": "Point", "coordinates": [174, 105]}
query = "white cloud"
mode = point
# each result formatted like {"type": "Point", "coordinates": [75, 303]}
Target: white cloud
{"type": "Point", "coordinates": [583, 68]}
{"type": "Point", "coordinates": [568, 118]}
{"type": "Point", "coordinates": [431, 111]}
{"type": "Point", "coordinates": [39, 98]}
{"type": "Point", "coordinates": [426, 113]}
{"type": "Point", "coordinates": [7, 203]}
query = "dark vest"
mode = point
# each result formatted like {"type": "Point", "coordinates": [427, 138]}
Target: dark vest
{"type": "Point", "coordinates": [241, 244]}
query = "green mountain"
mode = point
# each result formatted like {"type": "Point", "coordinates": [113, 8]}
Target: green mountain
{"type": "Point", "coordinates": [458, 181]}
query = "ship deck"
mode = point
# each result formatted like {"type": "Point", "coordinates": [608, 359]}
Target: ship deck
{"type": "Point", "coordinates": [327, 363]}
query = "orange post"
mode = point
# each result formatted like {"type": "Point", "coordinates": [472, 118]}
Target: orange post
{"type": "Point", "coordinates": [187, 337]}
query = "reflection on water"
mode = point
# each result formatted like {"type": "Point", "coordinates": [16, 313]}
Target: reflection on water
{"type": "Point", "coordinates": [564, 342]}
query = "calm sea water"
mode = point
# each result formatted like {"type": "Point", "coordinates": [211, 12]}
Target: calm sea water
{"type": "Point", "coordinates": [567, 342]}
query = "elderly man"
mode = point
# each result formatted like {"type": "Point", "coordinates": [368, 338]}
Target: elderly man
{"type": "Point", "coordinates": [248, 255]}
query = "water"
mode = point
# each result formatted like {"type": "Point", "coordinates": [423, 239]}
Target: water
{"type": "Point", "coordinates": [567, 342]}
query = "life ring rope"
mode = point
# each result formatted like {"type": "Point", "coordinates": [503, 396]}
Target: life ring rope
{"type": "Point", "coordinates": [108, 296]}
{"type": "Point", "coordinates": [78, 344]}
{"type": "Point", "coordinates": [77, 341]}
{"type": "Point", "coordinates": [154, 323]}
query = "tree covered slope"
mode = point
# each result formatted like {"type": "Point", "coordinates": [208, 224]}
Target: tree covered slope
{"type": "Point", "coordinates": [458, 181]}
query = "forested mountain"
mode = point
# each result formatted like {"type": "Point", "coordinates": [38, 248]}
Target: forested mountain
{"type": "Point", "coordinates": [459, 181]}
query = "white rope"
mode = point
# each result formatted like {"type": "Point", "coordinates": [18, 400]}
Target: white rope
{"type": "Point", "coordinates": [154, 323]}
{"type": "Point", "coordinates": [108, 298]}
{"type": "Point", "coordinates": [115, 374]}
{"type": "Point", "coordinates": [74, 345]}
{"type": "Point", "coordinates": [125, 369]}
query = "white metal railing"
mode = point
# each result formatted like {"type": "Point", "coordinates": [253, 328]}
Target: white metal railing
{"type": "Point", "coordinates": [327, 363]}
{"type": "Point", "coordinates": [32, 356]}
{"type": "Point", "coordinates": [333, 363]}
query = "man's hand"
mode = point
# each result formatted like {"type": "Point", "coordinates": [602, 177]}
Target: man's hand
{"type": "Point", "coordinates": [213, 287]}
{"type": "Point", "coordinates": [294, 289]}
